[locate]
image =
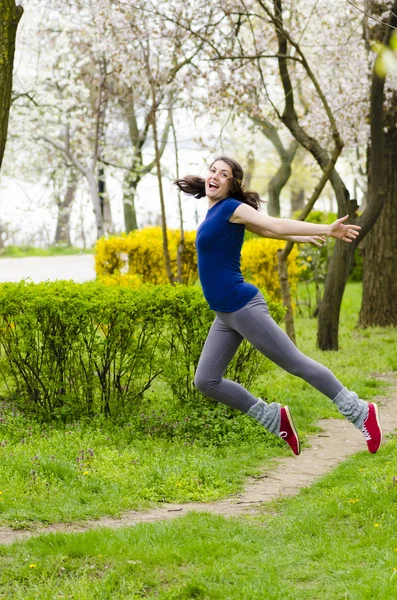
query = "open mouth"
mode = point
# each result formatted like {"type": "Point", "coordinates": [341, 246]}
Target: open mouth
{"type": "Point", "coordinates": [213, 186]}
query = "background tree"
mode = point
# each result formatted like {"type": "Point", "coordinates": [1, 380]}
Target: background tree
{"type": "Point", "coordinates": [10, 15]}
{"type": "Point", "coordinates": [379, 299]}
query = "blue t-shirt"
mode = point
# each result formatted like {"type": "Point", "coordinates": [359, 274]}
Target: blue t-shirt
{"type": "Point", "coordinates": [218, 243]}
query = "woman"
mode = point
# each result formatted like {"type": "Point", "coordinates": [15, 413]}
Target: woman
{"type": "Point", "coordinates": [241, 311]}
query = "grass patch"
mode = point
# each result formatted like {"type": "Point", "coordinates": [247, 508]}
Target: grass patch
{"type": "Point", "coordinates": [22, 251]}
{"type": "Point", "coordinates": [83, 471]}
{"type": "Point", "coordinates": [334, 540]}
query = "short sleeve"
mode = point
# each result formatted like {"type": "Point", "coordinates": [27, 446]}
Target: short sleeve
{"type": "Point", "coordinates": [229, 207]}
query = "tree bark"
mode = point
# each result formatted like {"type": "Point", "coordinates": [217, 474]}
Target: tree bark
{"type": "Point", "coordinates": [131, 181]}
{"type": "Point", "coordinates": [181, 243]}
{"type": "Point", "coordinates": [279, 180]}
{"type": "Point", "coordinates": [62, 233]}
{"type": "Point", "coordinates": [166, 253]}
{"type": "Point", "coordinates": [297, 200]}
{"type": "Point", "coordinates": [96, 203]}
{"type": "Point", "coordinates": [104, 200]}
{"type": "Point", "coordinates": [10, 15]}
{"type": "Point", "coordinates": [379, 299]}
{"type": "Point", "coordinates": [282, 255]}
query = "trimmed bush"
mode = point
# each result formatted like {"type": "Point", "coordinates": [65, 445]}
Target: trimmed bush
{"type": "Point", "coordinates": [73, 350]}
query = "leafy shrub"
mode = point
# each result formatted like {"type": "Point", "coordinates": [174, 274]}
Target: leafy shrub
{"type": "Point", "coordinates": [74, 350]}
{"type": "Point", "coordinates": [77, 349]}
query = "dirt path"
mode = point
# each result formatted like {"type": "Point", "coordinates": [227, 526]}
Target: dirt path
{"type": "Point", "coordinates": [337, 441]}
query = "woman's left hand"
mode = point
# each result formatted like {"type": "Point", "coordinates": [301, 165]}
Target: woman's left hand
{"type": "Point", "coordinates": [317, 240]}
{"type": "Point", "coordinates": [347, 233]}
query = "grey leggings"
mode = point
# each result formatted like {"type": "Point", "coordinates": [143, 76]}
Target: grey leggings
{"type": "Point", "coordinates": [254, 323]}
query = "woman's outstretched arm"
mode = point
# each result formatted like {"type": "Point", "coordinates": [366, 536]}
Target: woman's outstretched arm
{"type": "Point", "coordinates": [318, 240]}
{"type": "Point", "coordinates": [250, 217]}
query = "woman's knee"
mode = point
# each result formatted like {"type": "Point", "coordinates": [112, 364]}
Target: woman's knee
{"type": "Point", "coordinates": [204, 384]}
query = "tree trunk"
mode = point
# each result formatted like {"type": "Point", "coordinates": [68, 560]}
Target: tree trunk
{"type": "Point", "coordinates": [62, 233]}
{"type": "Point", "coordinates": [96, 203]}
{"type": "Point", "coordinates": [104, 200]}
{"type": "Point", "coordinates": [335, 283]}
{"type": "Point", "coordinates": [181, 244]}
{"type": "Point", "coordinates": [10, 15]}
{"type": "Point", "coordinates": [279, 180]}
{"type": "Point", "coordinates": [130, 185]}
{"type": "Point", "coordinates": [161, 194]}
{"type": "Point", "coordinates": [379, 299]}
{"type": "Point", "coordinates": [248, 172]}
{"type": "Point", "coordinates": [286, 294]}
{"type": "Point", "coordinates": [297, 200]}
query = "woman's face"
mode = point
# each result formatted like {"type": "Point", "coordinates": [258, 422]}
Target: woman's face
{"type": "Point", "coordinates": [217, 182]}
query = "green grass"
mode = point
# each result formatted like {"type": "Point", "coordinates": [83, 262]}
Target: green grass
{"type": "Point", "coordinates": [85, 472]}
{"type": "Point", "coordinates": [333, 541]}
{"type": "Point", "coordinates": [22, 251]}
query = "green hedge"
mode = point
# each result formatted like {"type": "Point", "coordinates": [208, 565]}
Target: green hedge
{"type": "Point", "coordinates": [71, 350]}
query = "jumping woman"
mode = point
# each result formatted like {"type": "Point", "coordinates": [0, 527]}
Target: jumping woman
{"type": "Point", "coordinates": [241, 310]}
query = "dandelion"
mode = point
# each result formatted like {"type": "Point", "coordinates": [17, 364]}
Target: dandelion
{"type": "Point", "coordinates": [32, 566]}
{"type": "Point", "coordinates": [354, 501]}
{"type": "Point", "coordinates": [376, 524]}
{"type": "Point", "coordinates": [86, 473]}
{"type": "Point", "coordinates": [1, 493]}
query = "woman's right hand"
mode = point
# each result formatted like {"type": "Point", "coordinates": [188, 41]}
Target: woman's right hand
{"type": "Point", "coordinates": [339, 230]}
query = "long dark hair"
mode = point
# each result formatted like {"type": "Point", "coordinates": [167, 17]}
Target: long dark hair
{"type": "Point", "coordinates": [195, 186]}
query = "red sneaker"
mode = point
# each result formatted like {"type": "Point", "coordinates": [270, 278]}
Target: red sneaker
{"type": "Point", "coordinates": [371, 429]}
{"type": "Point", "coordinates": [287, 430]}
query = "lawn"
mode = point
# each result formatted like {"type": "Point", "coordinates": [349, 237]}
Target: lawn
{"type": "Point", "coordinates": [334, 540]}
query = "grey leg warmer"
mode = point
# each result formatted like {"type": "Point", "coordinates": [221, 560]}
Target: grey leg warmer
{"type": "Point", "coordinates": [351, 407]}
{"type": "Point", "coordinates": [268, 415]}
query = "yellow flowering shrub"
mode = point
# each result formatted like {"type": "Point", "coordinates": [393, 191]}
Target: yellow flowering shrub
{"type": "Point", "coordinates": [140, 253]}
{"type": "Point", "coordinates": [127, 280]}
{"type": "Point", "coordinates": [259, 265]}
{"type": "Point", "coordinates": [136, 258]}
